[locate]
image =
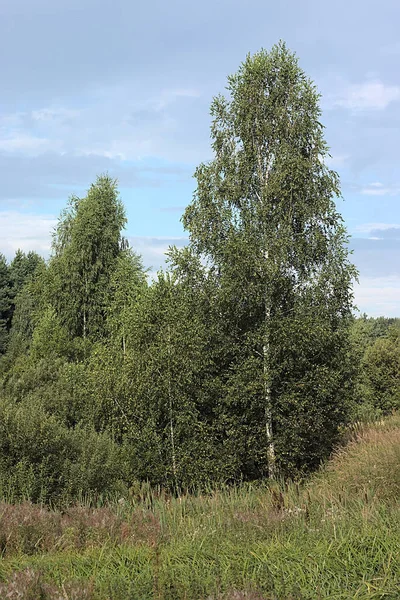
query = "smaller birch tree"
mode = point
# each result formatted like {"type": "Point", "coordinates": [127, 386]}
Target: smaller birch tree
{"type": "Point", "coordinates": [87, 243]}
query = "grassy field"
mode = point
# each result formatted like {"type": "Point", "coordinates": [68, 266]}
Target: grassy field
{"type": "Point", "coordinates": [336, 536]}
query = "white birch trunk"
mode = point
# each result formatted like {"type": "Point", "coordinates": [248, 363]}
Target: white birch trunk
{"type": "Point", "coordinates": [84, 308]}
{"type": "Point", "coordinates": [123, 332]}
{"type": "Point", "coordinates": [170, 400]}
{"type": "Point", "coordinates": [263, 173]}
{"type": "Point", "coordinates": [267, 390]}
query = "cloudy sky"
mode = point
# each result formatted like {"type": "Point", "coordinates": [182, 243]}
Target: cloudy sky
{"type": "Point", "coordinates": [89, 86]}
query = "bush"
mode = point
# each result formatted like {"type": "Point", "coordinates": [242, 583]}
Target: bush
{"type": "Point", "coordinates": [381, 368]}
{"type": "Point", "coordinates": [44, 461]}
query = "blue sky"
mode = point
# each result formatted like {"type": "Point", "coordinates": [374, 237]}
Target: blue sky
{"type": "Point", "coordinates": [90, 86]}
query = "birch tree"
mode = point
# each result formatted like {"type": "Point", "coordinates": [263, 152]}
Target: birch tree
{"type": "Point", "coordinates": [172, 442]}
{"type": "Point", "coordinates": [264, 219]}
{"type": "Point", "coordinates": [87, 243]}
{"type": "Point", "coordinates": [126, 284]}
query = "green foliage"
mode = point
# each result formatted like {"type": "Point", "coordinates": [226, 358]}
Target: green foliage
{"type": "Point", "coordinates": [147, 391]}
{"type": "Point", "coordinates": [241, 362]}
{"type": "Point", "coordinates": [236, 364]}
{"type": "Point", "coordinates": [23, 268]}
{"type": "Point", "coordinates": [24, 271]}
{"type": "Point", "coordinates": [169, 355]}
{"type": "Point", "coordinates": [375, 352]}
{"type": "Point", "coordinates": [265, 222]}
{"type": "Point", "coordinates": [87, 243]}
{"type": "Point", "coordinates": [50, 339]}
{"type": "Point", "coordinates": [127, 282]}
{"type": "Point", "coordinates": [381, 369]}
{"type": "Point", "coordinates": [5, 303]}
{"type": "Point", "coordinates": [27, 275]}
{"type": "Point", "coordinates": [43, 461]}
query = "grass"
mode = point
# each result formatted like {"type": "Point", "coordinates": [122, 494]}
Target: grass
{"type": "Point", "coordinates": [336, 537]}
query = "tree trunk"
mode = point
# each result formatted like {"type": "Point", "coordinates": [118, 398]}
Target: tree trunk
{"type": "Point", "coordinates": [267, 389]}
{"type": "Point", "coordinates": [170, 399]}
{"type": "Point", "coordinates": [84, 308]}
{"type": "Point", "coordinates": [123, 332]}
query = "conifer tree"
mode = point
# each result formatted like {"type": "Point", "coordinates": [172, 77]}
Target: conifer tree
{"type": "Point", "coordinates": [5, 302]}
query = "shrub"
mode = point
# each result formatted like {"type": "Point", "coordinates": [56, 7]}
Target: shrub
{"type": "Point", "coordinates": [44, 461]}
{"type": "Point", "coordinates": [381, 368]}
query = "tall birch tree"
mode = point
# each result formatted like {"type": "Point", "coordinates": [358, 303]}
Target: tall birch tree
{"type": "Point", "coordinates": [264, 220]}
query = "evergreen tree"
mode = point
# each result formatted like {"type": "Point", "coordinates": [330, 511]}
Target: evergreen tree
{"type": "Point", "coordinates": [5, 302]}
{"type": "Point", "coordinates": [264, 220]}
{"type": "Point", "coordinates": [22, 268]}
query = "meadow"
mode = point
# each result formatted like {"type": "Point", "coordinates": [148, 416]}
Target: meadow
{"type": "Point", "coordinates": [335, 535]}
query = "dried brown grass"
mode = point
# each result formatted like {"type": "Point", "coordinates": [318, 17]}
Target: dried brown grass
{"type": "Point", "coordinates": [29, 529]}
{"type": "Point", "coordinates": [30, 585]}
{"type": "Point", "coordinates": [370, 463]}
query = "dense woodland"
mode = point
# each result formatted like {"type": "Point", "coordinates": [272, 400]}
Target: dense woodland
{"type": "Point", "coordinates": [242, 361]}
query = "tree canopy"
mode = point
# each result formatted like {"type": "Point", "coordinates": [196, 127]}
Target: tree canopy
{"type": "Point", "coordinates": [265, 221]}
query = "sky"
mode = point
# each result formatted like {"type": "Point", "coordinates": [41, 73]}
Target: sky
{"type": "Point", "coordinates": [124, 87]}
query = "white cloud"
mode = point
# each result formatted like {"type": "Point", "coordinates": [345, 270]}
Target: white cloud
{"type": "Point", "coordinates": [54, 114]}
{"type": "Point", "coordinates": [379, 189]}
{"type": "Point", "coordinates": [25, 231]}
{"type": "Point", "coordinates": [117, 122]}
{"type": "Point", "coordinates": [35, 132]}
{"type": "Point", "coordinates": [378, 296]}
{"type": "Point", "coordinates": [371, 95]}
{"type": "Point", "coordinates": [153, 249]}
{"type": "Point", "coordinates": [113, 152]}
{"type": "Point", "coordinates": [23, 142]}
{"type": "Point", "coordinates": [168, 96]}
{"type": "Point", "coordinates": [337, 160]}
{"type": "Point", "coordinates": [11, 120]}
{"type": "Point", "coordinates": [367, 227]}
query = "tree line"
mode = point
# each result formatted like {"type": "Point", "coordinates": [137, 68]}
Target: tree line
{"type": "Point", "coordinates": [241, 361]}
